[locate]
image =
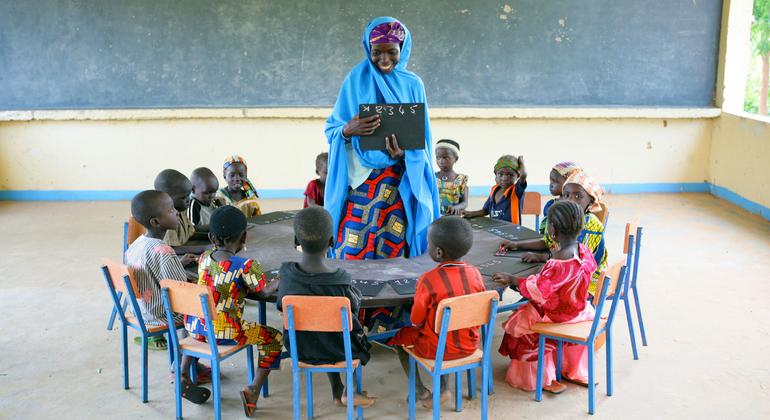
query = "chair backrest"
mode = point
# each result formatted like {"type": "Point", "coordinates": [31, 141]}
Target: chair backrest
{"type": "Point", "coordinates": [185, 298]}
{"type": "Point", "coordinates": [466, 311]}
{"type": "Point", "coordinates": [316, 313]}
{"type": "Point", "coordinates": [630, 231]}
{"type": "Point", "coordinates": [602, 214]}
{"type": "Point", "coordinates": [532, 203]}
{"type": "Point", "coordinates": [116, 273]}
{"type": "Point", "coordinates": [609, 281]}
{"type": "Point", "coordinates": [611, 276]}
{"type": "Point", "coordinates": [132, 229]}
{"type": "Point", "coordinates": [637, 246]}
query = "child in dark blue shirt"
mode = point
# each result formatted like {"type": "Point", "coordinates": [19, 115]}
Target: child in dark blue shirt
{"type": "Point", "coordinates": [505, 199]}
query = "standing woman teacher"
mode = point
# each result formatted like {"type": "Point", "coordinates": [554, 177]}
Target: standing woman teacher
{"type": "Point", "coordinates": [381, 202]}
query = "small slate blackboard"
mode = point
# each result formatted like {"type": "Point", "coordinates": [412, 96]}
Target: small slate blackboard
{"type": "Point", "coordinates": [514, 233]}
{"type": "Point", "coordinates": [369, 288]}
{"type": "Point", "coordinates": [268, 218]}
{"type": "Point", "coordinates": [406, 121]}
{"type": "Point", "coordinates": [271, 275]}
{"type": "Point", "coordinates": [504, 265]}
{"type": "Point", "coordinates": [404, 286]}
{"type": "Point", "coordinates": [484, 222]}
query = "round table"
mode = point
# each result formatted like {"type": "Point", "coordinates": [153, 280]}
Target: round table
{"type": "Point", "coordinates": [273, 244]}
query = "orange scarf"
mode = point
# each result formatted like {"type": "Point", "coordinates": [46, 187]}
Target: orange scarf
{"type": "Point", "coordinates": [511, 193]}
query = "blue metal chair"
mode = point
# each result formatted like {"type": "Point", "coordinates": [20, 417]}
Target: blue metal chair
{"type": "Point", "coordinates": [588, 333]}
{"type": "Point", "coordinates": [321, 314]}
{"type": "Point", "coordinates": [634, 290]}
{"type": "Point", "coordinates": [196, 300]}
{"type": "Point", "coordinates": [131, 230]}
{"type": "Point", "coordinates": [533, 205]}
{"type": "Point", "coordinates": [628, 251]}
{"type": "Point", "coordinates": [467, 311]}
{"type": "Point", "coordinates": [123, 292]}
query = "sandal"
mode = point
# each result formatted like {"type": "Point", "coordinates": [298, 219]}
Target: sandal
{"type": "Point", "coordinates": [153, 343]}
{"type": "Point", "coordinates": [203, 376]}
{"type": "Point", "coordinates": [555, 388]}
{"type": "Point", "coordinates": [195, 394]}
{"type": "Point", "coordinates": [578, 381]}
{"type": "Point", "coordinates": [248, 408]}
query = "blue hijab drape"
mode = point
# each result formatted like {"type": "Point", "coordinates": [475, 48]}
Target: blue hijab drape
{"type": "Point", "coordinates": [365, 84]}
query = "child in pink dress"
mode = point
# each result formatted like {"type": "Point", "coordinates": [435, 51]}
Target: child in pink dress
{"type": "Point", "coordinates": [557, 294]}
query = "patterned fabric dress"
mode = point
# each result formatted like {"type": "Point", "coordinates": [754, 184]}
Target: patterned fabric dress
{"type": "Point", "coordinates": [451, 193]}
{"type": "Point", "coordinates": [557, 294]}
{"type": "Point", "coordinates": [229, 282]}
{"type": "Point", "coordinates": [592, 236]}
{"type": "Point", "coordinates": [248, 205]}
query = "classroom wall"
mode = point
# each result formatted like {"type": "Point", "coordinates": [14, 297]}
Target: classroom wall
{"type": "Point", "coordinates": [113, 158]}
{"type": "Point", "coordinates": [738, 166]}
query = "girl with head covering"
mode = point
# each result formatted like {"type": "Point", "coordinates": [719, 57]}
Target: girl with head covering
{"type": "Point", "coordinates": [587, 194]}
{"type": "Point", "coordinates": [238, 191]}
{"type": "Point", "coordinates": [559, 174]}
{"type": "Point", "coordinates": [381, 202]}
{"type": "Point", "coordinates": [452, 187]}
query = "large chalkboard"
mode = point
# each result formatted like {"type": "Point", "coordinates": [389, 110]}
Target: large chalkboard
{"type": "Point", "coordinates": [252, 53]}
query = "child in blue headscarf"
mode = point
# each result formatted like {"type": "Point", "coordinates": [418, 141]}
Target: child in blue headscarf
{"type": "Point", "coordinates": [381, 202]}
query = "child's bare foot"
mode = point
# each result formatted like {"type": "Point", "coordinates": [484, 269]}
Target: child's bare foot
{"type": "Point", "coordinates": [555, 387]}
{"type": "Point", "coordinates": [249, 401]}
{"type": "Point", "coordinates": [362, 399]}
{"type": "Point", "coordinates": [427, 402]}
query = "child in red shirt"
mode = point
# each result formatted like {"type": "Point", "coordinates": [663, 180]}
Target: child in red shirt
{"type": "Point", "coordinates": [449, 239]}
{"type": "Point", "coordinates": [314, 193]}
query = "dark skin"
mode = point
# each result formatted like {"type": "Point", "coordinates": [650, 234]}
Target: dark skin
{"type": "Point", "coordinates": [235, 176]}
{"type": "Point", "coordinates": [224, 251]}
{"type": "Point", "coordinates": [505, 177]}
{"type": "Point", "coordinates": [167, 219]}
{"type": "Point", "coordinates": [438, 255]}
{"type": "Point", "coordinates": [322, 171]}
{"type": "Point", "coordinates": [571, 192]}
{"type": "Point", "coordinates": [556, 182]}
{"type": "Point", "coordinates": [316, 262]}
{"type": "Point", "coordinates": [204, 189]}
{"type": "Point", "coordinates": [180, 194]}
{"type": "Point", "coordinates": [385, 57]}
{"type": "Point", "coordinates": [445, 160]}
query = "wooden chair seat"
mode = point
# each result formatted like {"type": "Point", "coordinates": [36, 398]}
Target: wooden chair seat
{"type": "Point", "coordinates": [192, 344]}
{"type": "Point", "coordinates": [338, 365]}
{"type": "Point", "coordinates": [447, 364]}
{"type": "Point", "coordinates": [577, 331]}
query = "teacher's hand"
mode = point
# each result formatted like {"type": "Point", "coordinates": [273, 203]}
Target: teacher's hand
{"type": "Point", "coordinates": [391, 144]}
{"type": "Point", "coordinates": [361, 126]}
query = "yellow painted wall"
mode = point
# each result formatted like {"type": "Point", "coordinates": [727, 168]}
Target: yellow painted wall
{"type": "Point", "coordinates": [740, 156]}
{"type": "Point", "coordinates": [126, 154]}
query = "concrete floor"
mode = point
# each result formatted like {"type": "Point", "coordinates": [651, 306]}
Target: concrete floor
{"type": "Point", "coordinates": [703, 280]}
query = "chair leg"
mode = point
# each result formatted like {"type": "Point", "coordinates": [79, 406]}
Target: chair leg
{"type": "Point", "coordinates": [216, 390]}
{"type": "Point", "coordinates": [250, 363]}
{"type": "Point", "coordinates": [591, 382]}
{"type": "Point", "coordinates": [471, 373]}
{"type": "Point", "coordinates": [111, 322]}
{"type": "Point", "coordinates": [608, 353]}
{"type": "Point", "coordinates": [539, 380]}
{"type": "Point", "coordinates": [193, 373]}
{"type": "Point", "coordinates": [349, 391]}
{"type": "Point", "coordinates": [309, 393]}
{"type": "Point", "coordinates": [459, 391]}
{"type": "Point", "coordinates": [359, 388]}
{"type": "Point", "coordinates": [630, 320]}
{"type": "Point", "coordinates": [559, 358]}
{"type": "Point", "coordinates": [170, 352]}
{"type": "Point", "coordinates": [125, 356]}
{"type": "Point", "coordinates": [295, 388]}
{"type": "Point", "coordinates": [436, 396]}
{"type": "Point", "coordinates": [177, 386]}
{"type": "Point", "coordinates": [639, 315]}
{"type": "Point", "coordinates": [412, 392]}
{"type": "Point", "coordinates": [486, 379]}
{"type": "Point", "coordinates": [144, 368]}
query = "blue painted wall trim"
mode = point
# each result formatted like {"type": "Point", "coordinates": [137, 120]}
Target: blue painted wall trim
{"type": "Point", "coordinates": [110, 195]}
{"type": "Point", "coordinates": [742, 202]}
{"type": "Point", "coordinates": [674, 187]}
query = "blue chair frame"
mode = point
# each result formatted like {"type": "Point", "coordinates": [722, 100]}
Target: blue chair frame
{"type": "Point", "coordinates": [637, 248]}
{"type": "Point", "coordinates": [214, 355]}
{"type": "Point", "coordinates": [487, 330]}
{"type": "Point", "coordinates": [348, 370]}
{"type": "Point", "coordinates": [632, 260]}
{"type": "Point", "coordinates": [120, 299]}
{"type": "Point", "coordinates": [590, 343]}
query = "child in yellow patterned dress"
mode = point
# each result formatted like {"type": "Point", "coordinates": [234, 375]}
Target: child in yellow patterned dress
{"type": "Point", "coordinates": [239, 192]}
{"type": "Point", "coordinates": [452, 187]}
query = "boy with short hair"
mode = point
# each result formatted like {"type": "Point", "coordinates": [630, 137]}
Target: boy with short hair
{"type": "Point", "coordinates": [314, 193]}
{"type": "Point", "coordinates": [449, 239]}
{"type": "Point", "coordinates": [313, 277]}
{"type": "Point", "coordinates": [202, 203]}
{"type": "Point", "coordinates": [178, 187]}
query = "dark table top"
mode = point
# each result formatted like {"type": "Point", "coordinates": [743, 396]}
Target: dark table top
{"type": "Point", "coordinates": [273, 244]}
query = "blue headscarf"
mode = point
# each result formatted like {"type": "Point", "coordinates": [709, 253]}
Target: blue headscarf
{"type": "Point", "coordinates": [365, 84]}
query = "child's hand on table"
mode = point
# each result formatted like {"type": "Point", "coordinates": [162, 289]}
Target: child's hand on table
{"type": "Point", "coordinates": [188, 259]}
{"type": "Point", "coordinates": [504, 279]}
{"type": "Point", "coordinates": [508, 245]}
{"type": "Point", "coordinates": [532, 257]}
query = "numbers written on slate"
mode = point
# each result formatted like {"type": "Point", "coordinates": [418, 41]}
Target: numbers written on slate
{"type": "Point", "coordinates": [368, 288]}
{"type": "Point", "coordinates": [490, 263]}
{"type": "Point", "coordinates": [391, 109]}
{"type": "Point", "coordinates": [271, 275]}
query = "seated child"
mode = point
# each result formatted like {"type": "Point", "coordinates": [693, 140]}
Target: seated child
{"type": "Point", "coordinates": [557, 294]}
{"type": "Point", "coordinates": [202, 202]}
{"type": "Point", "coordinates": [314, 193]}
{"type": "Point", "coordinates": [314, 277]}
{"type": "Point", "coordinates": [239, 191]}
{"type": "Point", "coordinates": [559, 174]}
{"type": "Point", "coordinates": [506, 198]}
{"type": "Point", "coordinates": [231, 278]}
{"type": "Point", "coordinates": [151, 259]}
{"type": "Point", "coordinates": [178, 187]}
{"type": "Point", "coordinates": [449, 239]}
{"type": "Point", "coordinates": [583, 191]}
{"type": "Point", "coordinates": [452, 187]}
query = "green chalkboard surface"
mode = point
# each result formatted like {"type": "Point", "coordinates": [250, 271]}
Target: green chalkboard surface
{"type": "Point", "coordinates": [81, 54]}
